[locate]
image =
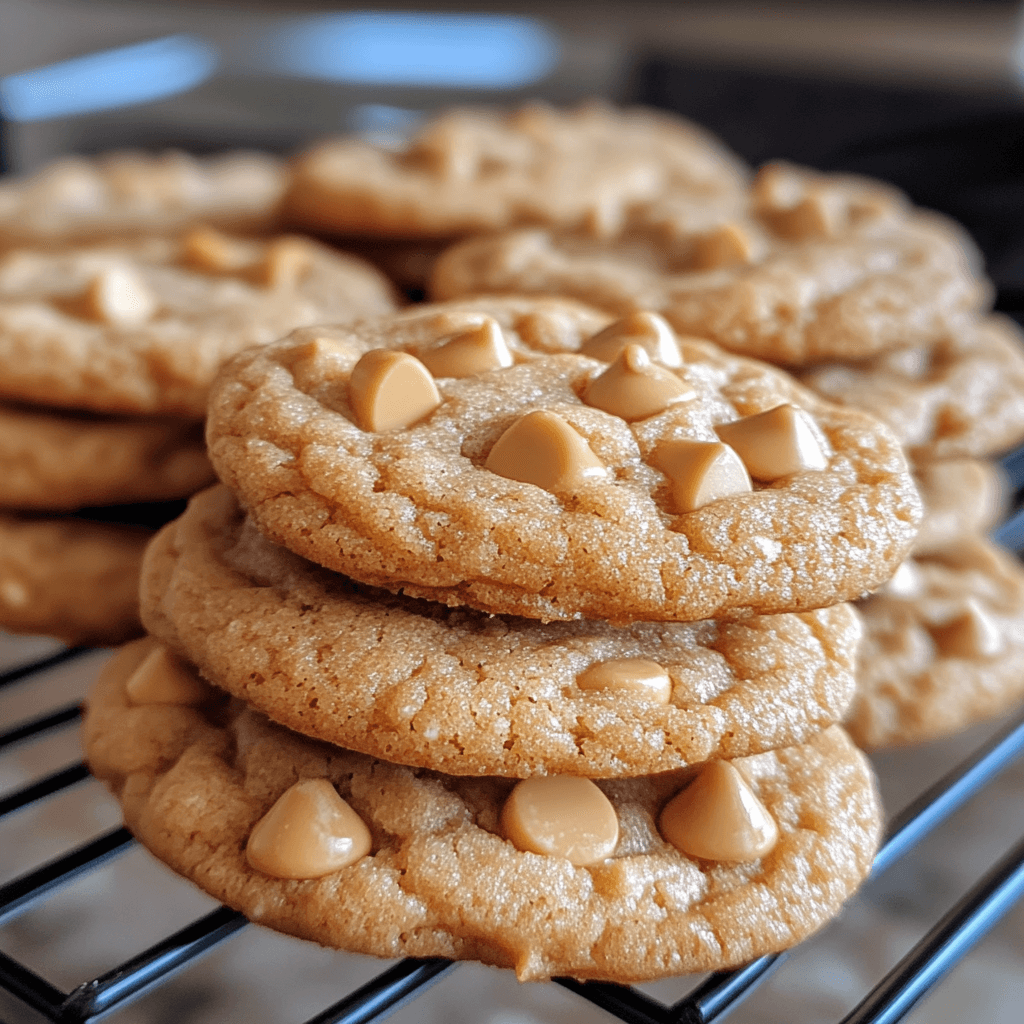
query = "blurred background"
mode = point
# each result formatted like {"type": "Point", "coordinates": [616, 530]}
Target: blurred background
{"type": "Point", "coordinates": [928, 95]}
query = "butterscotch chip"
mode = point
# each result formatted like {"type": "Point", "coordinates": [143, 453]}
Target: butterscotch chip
{"type": "Point", "coordinates": [211, 250]}
{"type": "Point", "coordinates": [639, 677]}
{"type": "Point", "coordinates": [561, 816]}
{"type": "Point", "coordinates": [70, 578]}
{"type": "Point", "coordinates": [441, 880]}
{"type": "Point", "coordinates": [943, 654]}
{"type": "Point", "coordinates": [962, 497]}
{"type": "Point", "coordinates": [391, 390]}
{"type": "Point", "coordinates": [775, 443]}
{"type": "Point", "coordinates": [648, 330]}
{"type": "Point", "coordinates": [118, 296]}
{"type": "Point", "coordinates": [728, 245]}
{"type": "Point", "coordinates": [59, 461]}
{"type": "Point", "coordinates": [479, 348]}
{"type": "Point", "coordinates": [845, 271]}
{"type": "Point", "coordinates": [634, 388]}
{"type": "Point", "coordinates": [959, 397]}
{"type": "Point", "coordinates": [308, 833]}
{"type": "Point", "coordinates": [424, 510]}
{"type": "Point", "coordinates": [135, 326]}
{"type": "Point", "coordinates": [162, 678]}
{"type": "Point", "coordinates": [468, 693]}
{"type": "Point", "coordinates": [717, 816]}
{"type": "Point", "coordinates": [78, 198]}
{"type": "Point", "coordinates": [476, 170]}
{"type": "Point", "coordinates": [701, 472]}
{"type": "Point", "coordinates": [540, 448]}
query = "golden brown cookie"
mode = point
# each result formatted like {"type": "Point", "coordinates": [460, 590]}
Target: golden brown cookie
{"type": "Point", "coordinates": [961, 497]}
{"type": "Point", "coordinates": [809, 267]}
{"type": "Point", "coordinates": [943, 646]}
{"type": "Point", "coordinates": [476, 170]}
{"type": "Point", "coordinates": [439, 879]}
{"type": "Point", "coordinates": [70, 578]}
{"type": "Point", "coordinates": [470, 694]}
{"type": "Point", "coordinates": [59, 461]}
{"type": "Point", "coordinates": [78, 198]}
{"type": "Point", "coordinates": [140, 326]}
{"type": "Point", "coordinates": [515, 491]}
{"type": "Point", "coordinates": [958, 397]}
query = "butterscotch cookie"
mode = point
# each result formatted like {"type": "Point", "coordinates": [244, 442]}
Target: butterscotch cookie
{"type": "Point", "coordinates": [958, 397]}
{"type": "Point", "coordinates": [475, 170]}
{"type": "Point", "coordinates": [597, 485]}
{"type": "Point", "coordinates": [812, 267]}
{"type": "Point", "coordinates": [943, 646]}
{"type": "Point", "coordinates": [467, 693]}
{"type": "Point", "coordinates": [140, 326]}
{"type": "Point", "coordinates": [70, 578]}
{"type": "Point", "coordinates": [376, 858]}
{"type": "Point", "coordinates": [60, 461]}
{"type": "Point", "coordinates": [79, 198]}
{"type": "Point", "coordinates": [961, 497]}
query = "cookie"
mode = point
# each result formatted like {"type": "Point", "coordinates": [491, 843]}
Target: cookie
{"type": "Point", "coordinates": [79, 198]}
{"type": "Point", "coordinates": [813, 267]}
{"type": "Point", "coordinates": [943, 646]}
{"type": "Point", "coordinates": [70, 578]}
{"type": "Point", "coordinates": [961, 497]}
{"type": "Point", "coordinates": [438, 879]}
{"type": "Point", "coordinates": [514, 491]}
{"type": "Point", "coordinates": [140, 326]}
{"type": "Point", "coordinates": [477, 170]}
{"type": "Point", "coordinates": [958, 397]}
{"type": "Point", "coordinates": [59, 461]}
{"type": "Point", "coordinates": [465, 693]}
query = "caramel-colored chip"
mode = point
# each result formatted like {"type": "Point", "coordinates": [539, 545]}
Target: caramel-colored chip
{"type": "Point", "coordinates": [561, 816]}
{"type": "Point", "coordinates": [648, 330]}
{"type": "Point", "coordinates": [970, 635]}
{"type": "Point", "coordinates": [729, 245]}
{"type": "Point", "coordinates": [634, 388]}
{"type": "Point", "coordinates": [475, 350]}
{"type": "Point", "coordinates": [541, 448]}
{"type": "Point", "coordinates": [391, 390]}
{"type": "Point", "coordinates": [284, 262]}
{"type": "Point", "coordinates": [820, 215]}
{"type": "Point", "coordinates": [308, 833]}
{"type": "Point", "coordinates": [775, 443]}
{"type": "Point", "coordinates": [163, 678]}
{"type": "Point", "coordinates": [719, 817]}
{"type": "Point", "coordinates": [208, 249]}
{"type": "Point", "coordinates": [904, 582]}
{"type": "Point", "coordinates": [119, 296]}
{"type": "Point", "coordinates": [701, 472]}
{"type": "Point", "coordinates": [634, 677]}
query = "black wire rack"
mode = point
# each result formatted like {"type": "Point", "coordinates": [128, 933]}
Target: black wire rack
{"type": "Point", "coordinates": [907, 983]}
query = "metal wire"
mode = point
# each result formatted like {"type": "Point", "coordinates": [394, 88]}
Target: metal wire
{"type": "Point", "coordinates": [712, 1000]}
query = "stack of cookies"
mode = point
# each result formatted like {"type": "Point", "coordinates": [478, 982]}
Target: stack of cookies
{"type": "Point", "coordinates": [517, 634]}
{"type": "Point", "coordinates": [116, 308]}
{"type": "Point", "coordinates": [877, 305]}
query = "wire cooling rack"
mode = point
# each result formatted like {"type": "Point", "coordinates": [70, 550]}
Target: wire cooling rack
{"type": "Point", "coordinates": [908, 982]}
